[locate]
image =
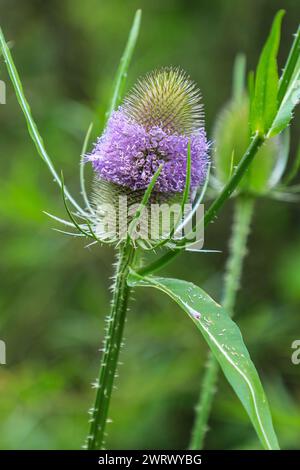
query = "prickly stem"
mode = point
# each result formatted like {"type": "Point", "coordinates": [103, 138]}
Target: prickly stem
{"type": "Point", "coordinates": [104, 385]}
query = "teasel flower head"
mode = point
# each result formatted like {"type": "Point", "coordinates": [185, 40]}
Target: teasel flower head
{"type": "Point", "coordinates": [230, 141]}
{"type": "Point", "coordinates": [152, 127]}
{"type": "Point", "coordinates": [160, 117]}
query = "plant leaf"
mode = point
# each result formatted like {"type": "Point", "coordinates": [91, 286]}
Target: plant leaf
{"type": "Point", "coordinates": [225, 340]}
{"type": "Point", "coordinates": [136, 217]}
{"type": "Point", "coordinates": [82, 167]}
{"type": "Point", "coordinates": [294, 169]}
{"type": "Point", "coordinates": [238, 79]}
{"type": "Point", "coordinates": [290, 67]}
{"type": "Point", "coordinates": [121, 74]}
{"type": "Point", "coordinates": [289, 89]}
{"type": "Point", "coordinates": [264, 104]}
{"type": "Point", "coordinates": [32, 127]}
{"type": "Point", "coordinates": [283, 156]}
{"type": "Point", "coordinates": [184, 200]}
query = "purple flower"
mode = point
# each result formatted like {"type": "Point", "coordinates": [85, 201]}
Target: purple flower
{"type": "Point", "coordinates": [128, 155]}
{"type": "Point", "coordinates": [145, 133]}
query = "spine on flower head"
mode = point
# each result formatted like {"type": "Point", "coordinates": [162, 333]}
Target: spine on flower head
{"type": "Point", "coordinates": [153, 127]}
{"type": "Point", "coordinates": [168, 99]}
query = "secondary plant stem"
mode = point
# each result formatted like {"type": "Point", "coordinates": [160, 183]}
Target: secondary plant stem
{"type": "Point", "coordinates": [237, 251]}
{"type": "Point", "coordinates": [110, 357]}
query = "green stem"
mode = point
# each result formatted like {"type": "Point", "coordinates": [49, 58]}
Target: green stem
{"type": "Point", "coordinates": [110, 357]}
{"type": "Point", "coordinates": [202, 410]}
{"type": "Point", "coordinates": [214, 208]}
{"type": "Point", "coordinates": [237, 251]}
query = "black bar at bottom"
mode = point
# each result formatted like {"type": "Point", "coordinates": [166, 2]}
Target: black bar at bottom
{"type": "Point", "coordinates": [132, 458]}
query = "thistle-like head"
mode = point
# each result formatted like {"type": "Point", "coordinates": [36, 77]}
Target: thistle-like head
{"type": "Point", "coordinates": [151, 130]}
{"type": "Point", "coordinates": [153, 127]}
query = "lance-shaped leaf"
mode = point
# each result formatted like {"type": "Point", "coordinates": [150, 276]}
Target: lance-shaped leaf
{"type": "Point", "coordinates": [289, 89]}
{"type": "Point", "coordinates": [32, 127]}
{"type": "Point", "coordinates": [121, 75]}
{"type": "Point", "coordinates": [264, 102]}
{"type": "Point", "coordinates": [225, 341]}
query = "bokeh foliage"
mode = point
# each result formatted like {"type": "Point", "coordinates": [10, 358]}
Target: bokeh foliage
{"type": "Point", "coordinates": [54, 292]}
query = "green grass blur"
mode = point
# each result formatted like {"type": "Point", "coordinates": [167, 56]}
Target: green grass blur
{"type": "Point", "coordinates": [54, 292]}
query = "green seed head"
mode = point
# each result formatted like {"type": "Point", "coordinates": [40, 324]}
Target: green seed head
{"type": "Point", "coordinates": [230, 141]}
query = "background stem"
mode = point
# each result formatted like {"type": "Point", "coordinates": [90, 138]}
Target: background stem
{"type": "Point", "coordinates": [243, 211]}
{"type": "Point", "coordinates": [113, 342]}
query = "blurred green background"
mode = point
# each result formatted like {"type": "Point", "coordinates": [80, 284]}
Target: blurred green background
{"type": "Point", "coordinates": [54, 292]}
